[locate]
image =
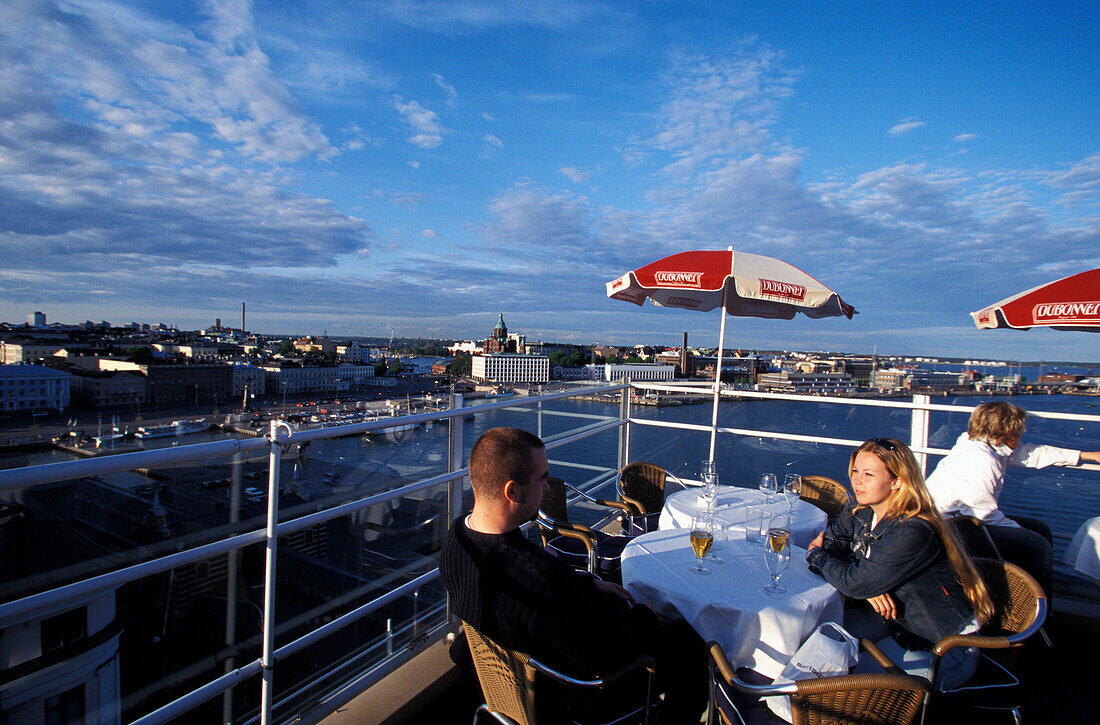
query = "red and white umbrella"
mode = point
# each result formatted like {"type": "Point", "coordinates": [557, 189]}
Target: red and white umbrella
{"type": "Point", "coordinates": [1070, 303]}
{"type": "Point", "coordinates": [743, 284]}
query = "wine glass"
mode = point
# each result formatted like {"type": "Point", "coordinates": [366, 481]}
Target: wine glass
{"type": "Point", "coordinates": [702, 535]}
{"type": "Point", "coordinates": [768, 486]}
{"type": "Point", "coordinates": [777, 555]}
{"type": "Point", "coordinates": [709, 475]}
{"type": "Point", "coordinates": [792, 489]}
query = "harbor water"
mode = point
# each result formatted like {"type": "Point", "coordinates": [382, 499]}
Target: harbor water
{"type": "Point", "coordinates": [1064, 497]}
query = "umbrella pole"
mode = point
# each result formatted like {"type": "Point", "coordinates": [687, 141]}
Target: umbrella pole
{"type": "Point", "coordinates": [718, 374]}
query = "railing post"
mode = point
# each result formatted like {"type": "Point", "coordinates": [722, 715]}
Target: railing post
{"type": "Point", "coordinates": [267, 658]}
{"type": "Point", "coordinates": [624, 430]}
{"type": "Point", "coordinates": [918, 433]}
{"type": "Point", "coordinates": [455, 443]}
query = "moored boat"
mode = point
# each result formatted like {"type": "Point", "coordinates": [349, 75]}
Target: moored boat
{"type": "Point", "coordinates": [175, 428]}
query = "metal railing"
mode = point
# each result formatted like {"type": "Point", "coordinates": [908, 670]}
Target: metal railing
{"type": "Point", "coordinates": [282, 438]}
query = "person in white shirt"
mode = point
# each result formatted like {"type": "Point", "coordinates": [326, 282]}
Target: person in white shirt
{"type": "Point", "coordinates": [969, 479]}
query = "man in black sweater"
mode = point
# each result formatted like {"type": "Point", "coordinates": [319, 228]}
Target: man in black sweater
{"type": "Point", "coordinates": [521, 597]}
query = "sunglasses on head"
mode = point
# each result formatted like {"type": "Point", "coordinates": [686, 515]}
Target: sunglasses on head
{"type": "Point", "coordinates": [884, 443]}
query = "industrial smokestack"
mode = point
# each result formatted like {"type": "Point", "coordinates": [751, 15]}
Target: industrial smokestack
{"type": "Point", "coordinates": [243, 328]}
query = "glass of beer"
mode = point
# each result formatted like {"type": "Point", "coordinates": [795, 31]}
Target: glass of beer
{"type": "Point", "coordinates": [702, 535]}
{"type": "Point", "coordinates": [777, 555]}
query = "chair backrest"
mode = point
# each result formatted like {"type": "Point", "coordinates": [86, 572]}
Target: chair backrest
{"type": "Point", "coordinates": [553, 501]}
{"type": "Point", "coordinates": [893, 699]}
{"type": "Point", "coordinates": [644, 483]}
{"type": "Point", "coordinates": [890, 698]}
{"type": "Point", "coordinates": [1015, 596]}
{"type": "Point", "coordinates": [975, 536]}
{"type": "Point", "coordinates": [825, 493]}
{"type": "Point", "coordinates": [506, 681]}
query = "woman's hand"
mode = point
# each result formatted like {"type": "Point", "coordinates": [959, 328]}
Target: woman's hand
{"type": "Point", "coordinates": [817, 543]}
{"type": "Point", "coordinates": [884, 605]}
{"type": "Point", "coordinates": [1093, 456]}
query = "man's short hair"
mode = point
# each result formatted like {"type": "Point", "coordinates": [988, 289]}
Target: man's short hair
{"type": "Point", "coordinates": [997, 422]}
{"type": "Point", "coordinates": [501, 455]}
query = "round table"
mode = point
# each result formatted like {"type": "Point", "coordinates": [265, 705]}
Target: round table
{"type": "Point", "coordinates": [1083, 553]}
{"type": "Point", "coordinates": [807, 520]}
{"type": "Point", "coordinates": [729, 605]}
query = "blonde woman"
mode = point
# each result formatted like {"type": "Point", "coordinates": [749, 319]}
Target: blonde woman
{"type": "Point", "coordinates": [893, 550]}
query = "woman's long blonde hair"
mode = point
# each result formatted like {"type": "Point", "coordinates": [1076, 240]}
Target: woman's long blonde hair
{"type": "Point", "coordinates": [911, 498]}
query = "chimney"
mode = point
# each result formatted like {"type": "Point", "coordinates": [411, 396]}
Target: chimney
{"type": "Point", "coordinates": [685, 359]}
{"type": "Point", "coordinates": [243, 328]}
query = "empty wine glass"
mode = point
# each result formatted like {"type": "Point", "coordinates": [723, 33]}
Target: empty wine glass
{"type": "Point", "coordinates": [792, 489]}
{"type": "Point", "coordinates": [702, 536]}
{"type": "Point", "coordinates": [709, 475]}
{"type": "Point", "coordinates": [777, 555]}
{"type": "Point", "coordinates": [768, 486]}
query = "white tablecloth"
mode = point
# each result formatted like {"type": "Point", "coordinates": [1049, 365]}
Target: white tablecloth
{"type": "Point", "coordinates": [729, 605]}
{"type": "Point", "coordinates": [807, 520]}
{"type": "Point", "coordinates": [1083, 553]}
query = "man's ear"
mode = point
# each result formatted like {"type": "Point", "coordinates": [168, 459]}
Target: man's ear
{"type": "Point", "coordinates": [509, 491]}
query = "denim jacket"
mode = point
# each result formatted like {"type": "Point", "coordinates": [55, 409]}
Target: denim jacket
{"type": "Point", "coordinates": [905, 558]}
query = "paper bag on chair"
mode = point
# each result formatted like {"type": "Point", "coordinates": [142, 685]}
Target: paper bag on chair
{"type": "Point", "coordinates": [829, 651]}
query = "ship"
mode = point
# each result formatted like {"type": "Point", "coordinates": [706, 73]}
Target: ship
{"type": "Point", "coordinates": [175, 428]}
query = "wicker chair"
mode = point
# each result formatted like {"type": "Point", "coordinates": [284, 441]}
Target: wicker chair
{"type": "Point", "coordinates": [642, 485]}
{"type": "Point", "coordinates": [825, 493]}
{"type": "Point", "coordinates": [1021, 609]}
{"type": "Point", "coordinates": [510, 682]}
{"type": "Point", "coordinates": [975, 536]}
{"type": "Point", "coordinates": [890, 698]}
{"type": "Point", "coordinates": [596, 551]}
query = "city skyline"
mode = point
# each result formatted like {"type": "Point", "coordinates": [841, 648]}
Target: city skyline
{"type": "Point", "coordinates": [367, 166]}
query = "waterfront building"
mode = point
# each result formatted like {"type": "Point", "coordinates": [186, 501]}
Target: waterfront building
{"type": "Point", "coordinates": [353, 375]}
{"type": "Point", "coordinates": [813, 383]}
{"type": "Point", "coordinates": [292, 378]}
{"type": "Point", "coordinates": [633, 372]}
{"type": "Point", "coordinates": [33, 387]}
{"type": "Point", "coordinates": [168, 382]}
{"type": "Point", "coordinates": [935, 381]}
{"type": "Point", "coordinates": [106, 389]}
{"type": "Point", "coordinates": [890, 379]}
{"type": "Point", "coordinates": [248, 377]}
{"type": "Point", "coordinates": [36, 319]}
{"type": "Point", "coordinates": [510, 368]}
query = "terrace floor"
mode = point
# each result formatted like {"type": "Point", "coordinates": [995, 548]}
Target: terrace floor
{"type": "Point", "coordinates": [1059, 685]}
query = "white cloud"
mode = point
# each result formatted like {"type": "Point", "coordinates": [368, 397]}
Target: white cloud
{"type": "Point", "coordinates": [964, 137]}
{"type": "Point", "coordinates": [429, 131]}
{"type": "Point", "coordinates": [429, 234]}
{"type": "Point", "coordinates": [488, 117]}
{"type": "Point", "coordinates": [905, 126]}
{"type": "Point", "coordinates": [447, 16]}
{"type": "Point", "coordinates": [717, 107]}
{"type": "Point", "coordinates": [577, 176]}
{"type": "Point", "coordinates": [452, 94]}
{"type": "Point", "coordinates": [414, 164]}
{"type": "Point", "coordinates": [169, 148]}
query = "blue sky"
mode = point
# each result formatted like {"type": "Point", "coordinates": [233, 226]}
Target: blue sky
{"type": "Point", "coordinates": [357, 167]}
